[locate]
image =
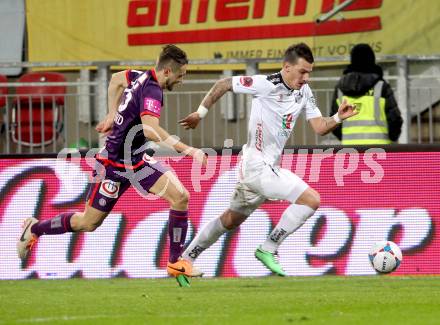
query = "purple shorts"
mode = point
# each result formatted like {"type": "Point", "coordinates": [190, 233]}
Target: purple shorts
{"type": "Point", "coordinates": [110, 182]}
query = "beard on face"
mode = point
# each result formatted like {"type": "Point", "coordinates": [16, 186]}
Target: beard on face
{"type": "Point", "coordinates": [170, 85]}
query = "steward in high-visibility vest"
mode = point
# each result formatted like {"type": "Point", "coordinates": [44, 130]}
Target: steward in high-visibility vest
{"type": "Point", "coordinates": [379, 121]}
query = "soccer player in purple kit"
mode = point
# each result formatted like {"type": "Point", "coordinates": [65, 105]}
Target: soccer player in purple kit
{"type": "Point", "coordinates": [135, 104]}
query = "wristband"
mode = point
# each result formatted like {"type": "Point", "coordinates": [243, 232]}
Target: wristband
{"type": "Point", "coordinates": [203, 111]}
{"type": "Point", "coordinates": [337, 118]}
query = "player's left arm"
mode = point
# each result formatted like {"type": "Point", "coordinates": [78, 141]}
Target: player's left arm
{"type": "Point", "coordinates": [323, 125]}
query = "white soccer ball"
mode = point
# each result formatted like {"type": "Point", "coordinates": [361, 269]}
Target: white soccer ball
{"type": "Point", "coordinates": [385, 256]}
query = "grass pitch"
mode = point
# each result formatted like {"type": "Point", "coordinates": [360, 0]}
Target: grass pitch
{"type": "Point", "coordinates": [270, 300]}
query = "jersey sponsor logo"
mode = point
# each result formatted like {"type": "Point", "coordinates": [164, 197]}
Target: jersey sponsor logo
{"type": "Point", "coordinates": [246, 81]}
{"type": "Point", "coordinates": [259, 137]}
{"type": "Point", "coordinates": [119, 119]}
{"type": "Point", "coordinates": [152, 105]}
{"type": "Point", "coordinates": [109, 188]}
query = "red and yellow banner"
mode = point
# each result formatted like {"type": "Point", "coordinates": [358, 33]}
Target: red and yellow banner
{"type": "Point", "coordinates": [65, 30]}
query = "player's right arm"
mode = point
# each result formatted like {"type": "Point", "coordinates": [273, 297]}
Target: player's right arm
{"type": "Point", "coordinates": [118, 83]}
{"type": "Point", "coordinates": [154, 132]}
{"type": "Point", "coordinates": [215, 93]}
{"type": "Point", "coordinates": [250, 85]}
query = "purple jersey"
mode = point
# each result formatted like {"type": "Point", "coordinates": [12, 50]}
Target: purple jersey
{"type": "Point", "coordinates": [143, 96]}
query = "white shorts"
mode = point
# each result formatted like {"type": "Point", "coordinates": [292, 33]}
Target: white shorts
{"type": "Point", "coordinates": [268, 183]}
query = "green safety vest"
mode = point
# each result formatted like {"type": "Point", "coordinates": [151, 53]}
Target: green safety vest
{"type": "Point", "coordinates": [370, 126]}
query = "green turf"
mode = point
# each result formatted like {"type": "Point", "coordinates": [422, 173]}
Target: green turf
{"type": "Point", "coordinates": [270, 300]}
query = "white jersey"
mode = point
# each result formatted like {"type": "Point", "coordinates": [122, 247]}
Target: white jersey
{"type": "Point", "coordinates": [275, 109]}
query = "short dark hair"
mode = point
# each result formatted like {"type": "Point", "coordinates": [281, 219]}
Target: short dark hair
{"type": "Point", "coordinates": [362, 56]}
{"type": "Point", "coordinates": [171, 56]}
{"type": "Point", "coordinates": [296, 51]}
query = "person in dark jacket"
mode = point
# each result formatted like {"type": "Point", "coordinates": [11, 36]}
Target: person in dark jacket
{"type": "Point", "coordinates": [379, 120]}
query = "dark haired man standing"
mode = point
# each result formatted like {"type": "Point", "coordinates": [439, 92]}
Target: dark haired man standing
{"type": "Point", "coordinates": [135, 104]}
{"type": "Point", "coordinates": [278, 99]}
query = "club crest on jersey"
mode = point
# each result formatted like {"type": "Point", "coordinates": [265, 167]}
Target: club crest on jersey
{"type": "Point", "coordinates": [298, 97]}
{"type": "Point", "coordinates": [109, 188]}
{"type": "Point", "coordinates": [287, 121]}
{"type": "Point", "coordinates": [246, 81]}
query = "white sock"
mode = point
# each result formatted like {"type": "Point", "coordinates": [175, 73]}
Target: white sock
{"type": "Point", "coordinates": [292, 218]}
{"type": "Point", "coordinates": [207, 236]}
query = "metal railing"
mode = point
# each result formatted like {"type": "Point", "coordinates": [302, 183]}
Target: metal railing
{"type": "Point", "coordinates": [424, 102]}
{"type": "Point", "coordinates": [417, 90]}
{"type": "Point", "coordinates": [36, 124]}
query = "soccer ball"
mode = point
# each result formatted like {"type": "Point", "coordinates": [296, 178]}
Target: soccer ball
{"type": "Point", "coordinates": [385, 256]}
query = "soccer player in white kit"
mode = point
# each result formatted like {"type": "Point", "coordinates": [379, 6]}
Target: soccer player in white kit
{"type": "Point", "coordinates": [278, 99]}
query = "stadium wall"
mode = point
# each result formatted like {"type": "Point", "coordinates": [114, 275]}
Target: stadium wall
{"type": "Point", "coordinates": [365, 197]}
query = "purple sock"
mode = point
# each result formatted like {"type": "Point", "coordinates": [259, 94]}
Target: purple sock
{"type": "Point", "coordinates": [177, 227]}
{"type": "Point", "coordinates": [55, 226]}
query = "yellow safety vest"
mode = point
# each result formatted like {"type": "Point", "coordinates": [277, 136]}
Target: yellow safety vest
{"type": "Point", "coordinates": [370, 126]}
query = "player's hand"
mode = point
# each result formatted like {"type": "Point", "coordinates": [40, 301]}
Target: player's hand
{"type": "Point", "coordinates": [191, 121]}
{"type": "Point", "coordinates": [105, 126]}
{"type": "Point", "coordinates": [199, 156]}
{"type": "Point", "coordinates": [346, 110]}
